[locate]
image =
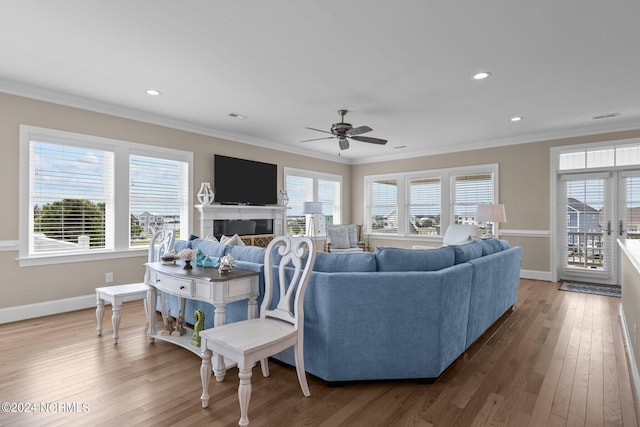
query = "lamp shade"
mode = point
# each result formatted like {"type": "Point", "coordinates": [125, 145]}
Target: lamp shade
{"type": "Point", "coordinates": [491, 213]}
{"type": "Point", "coordinates": [311, 208]}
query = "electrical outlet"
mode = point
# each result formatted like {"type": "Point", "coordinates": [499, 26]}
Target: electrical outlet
{"type": "Point", "coordinates": [108, 278]}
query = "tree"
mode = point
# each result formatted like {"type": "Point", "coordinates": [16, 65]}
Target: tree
{"type": "Point", "coordinates": [68, 219]}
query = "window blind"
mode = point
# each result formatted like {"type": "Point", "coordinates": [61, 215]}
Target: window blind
{"type": "Point", "coordinates": [470, 190]}
{"type": "Point", "coordinates": [71, 195]}
{"type": "Point", "coordinates": [424, 206]}
{"type": "Point", "coordinates": [157, 196]}
{"type": "Point", "coordinates": [384, 206]}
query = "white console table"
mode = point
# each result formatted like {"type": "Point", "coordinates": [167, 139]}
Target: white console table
{"type": "Point", "coordinates": [209, 213]}
{"type": "Point", "coordinates": [204, 284]}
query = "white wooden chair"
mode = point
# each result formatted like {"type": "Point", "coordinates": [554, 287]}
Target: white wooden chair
{"type": "Point", "coordinates": [118, 294]}
{"type": "Point", "coordinates": [249, 341]}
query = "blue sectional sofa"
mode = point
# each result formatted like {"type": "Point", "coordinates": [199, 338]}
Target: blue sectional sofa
{"type": "Point", "coordinates": [392, 314]}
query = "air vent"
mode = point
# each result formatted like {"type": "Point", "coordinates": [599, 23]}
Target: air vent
{"type": "Point", "coordinates": [605, 116]}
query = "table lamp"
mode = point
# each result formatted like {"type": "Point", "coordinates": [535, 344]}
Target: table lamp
{"type": "Point", "coordinates": [493, 213]}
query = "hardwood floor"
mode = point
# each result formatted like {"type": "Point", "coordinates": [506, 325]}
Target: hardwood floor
{"type": "Point", "coordinates": [557, 359]}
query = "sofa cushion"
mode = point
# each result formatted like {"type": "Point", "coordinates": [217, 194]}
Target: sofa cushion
{"type": "Point", "coordinates": [468, 251]}
{"type": "Point", "coordinates": [247, 253]}
{"type": "Point", "coordinates": [505, 244]}
{"type": "Point", "coordinates": [396, 259]}
{"type": "Point", "coordinates": [490, 246]}
{"type": "Point", "coordinates": [347, 262]}
{"type": "Point", "coordinates": [209, 247]}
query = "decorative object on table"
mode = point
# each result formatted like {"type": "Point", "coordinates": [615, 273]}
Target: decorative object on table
{"type": "Point", "coordinates": [203, 260]}
{"type": "Point", "coordinates": [187, 255]}
{"type": "Point", "coordinates": [284, 200]}
{"type": "Point", "coordinates": [169, 325]}
{"type": "Point", "coordinates": [170, 257]}
{"type": "Point", "coordinates": [198, 325]}
{"type": "Point", "coordinates": [226, 264]}
{"type": "Point", "coordinates": [179, 329]}
{"type": "Point", "coordinates": [205, 195]}
{"type": "Point", "coordinates": [491, 213]}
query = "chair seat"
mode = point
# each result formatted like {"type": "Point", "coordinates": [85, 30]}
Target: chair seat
{"type": "Point", "coordinates": [249, 337]}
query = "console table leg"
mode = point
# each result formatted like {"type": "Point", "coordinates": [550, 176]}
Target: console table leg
{"type": "Point", "coordinates": [252, 308]}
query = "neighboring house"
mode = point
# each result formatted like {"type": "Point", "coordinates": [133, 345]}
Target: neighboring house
{"type": "Point", "coordinates": [582, 218]}
{"type": "Point", "coordinates": [150, 222]}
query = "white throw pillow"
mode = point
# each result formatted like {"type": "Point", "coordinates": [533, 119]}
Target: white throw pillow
{"type": "Point", "coordinates": [458, 234]}
{"type": "Point", "coordinates": [338, 236]}
{"type": "Point", "coordinates": [234, 240]}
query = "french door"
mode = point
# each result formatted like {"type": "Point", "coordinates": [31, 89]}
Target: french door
{"type": "Point", "coordinates": [595, 209]}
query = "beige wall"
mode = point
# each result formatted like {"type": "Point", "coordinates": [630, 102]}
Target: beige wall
{"type": "Point", "coordinates": [524, 189]}
{"type": "Point", "coordinates": [28, 285]}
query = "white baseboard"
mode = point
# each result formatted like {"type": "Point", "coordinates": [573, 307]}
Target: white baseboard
{"type": "Point", "coordinates": [30, 311]}
{"type": "Point", "coordinates": [635, 375]}
{"type": "Point", "coordinates": [536, 275]}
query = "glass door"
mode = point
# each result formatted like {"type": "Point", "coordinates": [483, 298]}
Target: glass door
{"type": "Point", "coordinates": [588, 242]}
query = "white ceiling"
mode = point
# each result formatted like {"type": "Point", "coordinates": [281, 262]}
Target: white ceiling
{"type": "Point", "coordinates": [402, 67]}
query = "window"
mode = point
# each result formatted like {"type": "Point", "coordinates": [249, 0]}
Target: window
{"type": "Point", "coordinates": [425, 203]}
{"type": "Point", "coordinates": [308, 186]}
{"type": "Point", "coordinates": [84, 197]}
{"type": "Point", "coordinates": [470, 190]}
{"type": "Point", "coordinates": [604, 156]}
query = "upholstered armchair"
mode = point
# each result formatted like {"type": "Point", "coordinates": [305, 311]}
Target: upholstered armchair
{"type": "Point", "coordinates": [344, 238]}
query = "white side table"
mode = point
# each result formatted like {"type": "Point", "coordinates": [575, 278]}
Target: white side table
{"type": "Point", "coordinates": [116, 295]}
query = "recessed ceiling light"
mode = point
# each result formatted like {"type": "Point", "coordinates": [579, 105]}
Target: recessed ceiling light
{"type": "Point", "coordinates": [153, 92]}
{"type": "Point", "coordinates": [516, 118]}
{"type": "Point", "coordinates": [237, 116]}
{"type": "Point", "coordinates": [482, 75]}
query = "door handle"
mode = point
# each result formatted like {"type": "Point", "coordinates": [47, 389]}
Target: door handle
{"type": "Point", "coordinates": [608, 228]}
{"type": "Point", "coordinates": [621, 231]}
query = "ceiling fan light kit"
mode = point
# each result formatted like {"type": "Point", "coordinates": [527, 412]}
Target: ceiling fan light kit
{"type": "Point", "coordinates": [343, 131]}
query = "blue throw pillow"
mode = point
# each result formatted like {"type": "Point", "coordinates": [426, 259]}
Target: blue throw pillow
{"type": "Point", "coordinates": [490, 246]}
{"type": "Point", "coordinates": [180, 245]}
{"type": "Point", "coordinates": [467, 251]}
{"type": "Point", "coordinates": [209, 247]}
{"type": "Point", "coordinates": [348, 262]}
{"type": "Point", "coordinates": [396, 259]}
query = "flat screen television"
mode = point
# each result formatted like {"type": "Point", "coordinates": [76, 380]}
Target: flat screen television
{"type": "Point", "coordinates": [246, 182]}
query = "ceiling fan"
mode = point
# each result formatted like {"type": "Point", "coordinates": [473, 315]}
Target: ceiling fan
{"type": "Point", "coordinates": [345, 131]}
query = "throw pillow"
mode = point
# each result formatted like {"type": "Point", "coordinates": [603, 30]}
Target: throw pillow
{"type": "Point", "coordinates": [338, 236]}
{"type": "Point", "coordinates": [235, 240]}
{"type": "Point", "coordinates": [353, 235]}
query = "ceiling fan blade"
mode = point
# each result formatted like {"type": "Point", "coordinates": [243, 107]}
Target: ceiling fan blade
{"type": "Point", "coordinates": [318, 130]}
{"type": "Point", "coordinates": [359, 130]}
{"type": "Point", "coordinates": [318, 139]}
{"type": "Point", "coordinates": [369, 139]}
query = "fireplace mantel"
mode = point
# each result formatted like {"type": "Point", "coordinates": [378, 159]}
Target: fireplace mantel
{"type": "Point", "coordinates": [210, 213]}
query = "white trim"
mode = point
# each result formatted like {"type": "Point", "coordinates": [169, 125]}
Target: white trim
{"type": "Point", "coordinates": [526, 233]}
{"type": "Point", "coordinates": [69, 258]}
{"type": "Point", "coordinates": [30, 311]}
{"type": "Point", "coordinates": [635, 375]}
{"type": "Point", "coordinates": [536, 275]}
{"type": "Point", "coordinates": [9, 245]}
